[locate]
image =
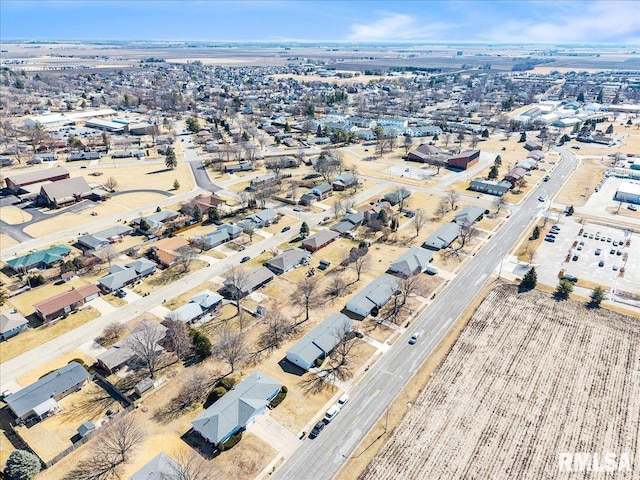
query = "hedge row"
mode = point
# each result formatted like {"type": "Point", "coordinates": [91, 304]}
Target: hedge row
{"type": "Point", "coordinates": [277, 400]}
{"type": "Point", "coordinates": [231, 442]}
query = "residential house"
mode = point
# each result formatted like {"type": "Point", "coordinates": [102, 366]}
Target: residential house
{"type": "Point", "coordinates": [199, 304]}
{"type": "Point", "coordinates": [101, 239]}
{"type": "Point", "coordinates": [308, 199]}
{"type": "Point", "coordinates": [253, 280]}
{"type": "Point", "coordinates": [469, 215]}
{"type": "Point", "coordinates": [239, 167]}
{"type": "Point", "coordinates": [464, 160]}
{"type": "Point", "coordinates": [319, 240]}
{"type": "Point", "coordinates": [282, 162]}
{"type": "Point", "coordinates": [322, 191]}
{"type": "Point", "coordinates": [122, 275]}
{"type": "Point", "coordinates": [238, 409]}
{"type": "Point", "coordinates": [348, 223]}
{"type": "Point", "coordinates": [515, 174]}
{"type": "Point", "coordinates": [215, 238]}
{"type": "Point", "coordinates": [157, 219]}
{"type": "Point", "coordinates": [264, 181]}
{"type": "Point", "coordinates": [288, 260]}
{"type": "Point", "coordinates": [263, 217]}
{"type": "Point", "coordinates": [41, 397]}
{"type": "Point", "coordinates": [412, 262]}
{"type": "Point", "coordinates": [344, 181]}
{"type": "Point", "coordinates": [205, 202]}
{"type": "Point", "coordinates": [121, 354]}
{"type": "Point", "coordinates": [527, 164]}
{"type": "Point", "coordinates": [82, 155]}
{"type": "Point", "coordinates": [39, 259]}
{"type": "Point", "coordinates": [167, 250]}
{"type": "Point", "coordinates": [160, 467]}
{"type": "Point", "coordinates": [443, 237]}
{"type": "Point", "coordinates": [532, 145]}
{"type": "Point", "coordinates": [16, 183]}
{"type": "Point", "coordinates": [11, 324]}
{"type": "Point", "coordinates": [45, 157]}
{"type": "Point", "coordinates": [319, 342]}
{"type": "Point", "coordinates": [374, 296]}
{"type": "Point", "coordinates": [394, 197]}
{"type": "Point", "coordinates": [66, 191]}
{"type": "Point", "coordinates": [65, 302]}
{"type": "Point", "coordinates": [490, 187]}
{"type": "Point", "coordinates": [233, 230]}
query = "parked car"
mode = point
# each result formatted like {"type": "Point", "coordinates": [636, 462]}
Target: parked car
{"type": "Point", "coordinates": [598, 251]}
{"type": "Point", "coordinates": [575, 258]}
{"type": "Point", "coordinates": [609, 239]}
{"type": "Point", "coordinates": [618, 252]}
{"type": "Point", "coordinates": [571, 278]}
{"type": "Point", "coordinates": [601, 263]}
{"type": "Point", "coordinates": [286, 229]}
{"type": "Point", "coordinates": [615, 267]}
{"type": "Point", "coordinates": [633, 208]}
{"type": "Point", "coordinates": [612, 251]}
{"type": "Point", "coordinates": [331, 413]}
{"type": "Point", "coordinates": [343, 399]}
{"type": "Point", "coordinates": [245, 259]}
{"type": "Point", "coordinates": [549, 239]}
{"type": "Point", "coordinates": [317, 429]}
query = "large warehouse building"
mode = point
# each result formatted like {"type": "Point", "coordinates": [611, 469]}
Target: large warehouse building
{"type": "Point", "coordinates": [628, 192]}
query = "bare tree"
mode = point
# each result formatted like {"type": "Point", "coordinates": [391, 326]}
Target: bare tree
{"type": "Point", "coordinates": [143, 342]}
{"type": "Point", "coordinates": [401, 194]}
{"type": "Point", "coordinates": [420, 218]}
{"type": "Point", "coordinates": [452, 198]}
{"type": "Point", "coordinates": [443, 208]}
{"type": "Point", "coordinates": [278, 329]}
{"type": "Point", "coordinates": [111, 334]}
{"type": "Point", "coordinates": [326, 166]}
{"type": "Point", "coordinates": [474, 141]}
{"type": "Point", "coordinates": [360, 264]}
{"type": "Point", "coordinates": [232, 348]}
{"type": "Point", "coordinates": [520, 184]}
{"type": "Point", "coordinates": [336, 286]}
{"type": "Point", "coordinates": [196, 384]}
{"type": "Point", "coordinates": [36, 136]}
{"type": "Point", "coordinates": [111, 184]}
{"type": "Point", "coordinates": [185, 258]}
{"type": "Point", "coordinates": [338, 207]}
{"type": "Point", "coordinates": [236, 284]}
{"type": "Point", "coordinates": [307, 295]}
{"type": "Point", "coordinates": [499, 204]}
{"type": "Point", "coordinates": [107, 253]}
{"type": "Point", "coordinates": [407, 143]}
{"type": "Point", "coordinates": [340, 362]}
{"type": "Point", "coordinates": [413, 284]}
{"type": "Point", "coordinates": [119, 438]}
{"type": "Point", "coordinates": [178, 339]}
{"type": "Point", "coordinates": [192, 466]}
{"type": "Point", "coordinates": [467, 233]}
{"type": "Point", "coordinates": [249, 230]}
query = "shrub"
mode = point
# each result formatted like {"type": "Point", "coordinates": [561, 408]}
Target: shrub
{"type": "Point", "coordinates": [319, 362]}
{"type": "Point", "coordinates": [227, 383]}
{"type": "Point", "coordinates": [22, 465]}
{"type": "Point", "coordinates": [231, 442]}
{"type": "Point", "coordinates": [36, 280]}
{"type": "Point", "coordinates": [201, 343]}
{"type": "Point", "coordinates": [217, 393]}
{"type": "Point", "coordinates": [277, 400]}
{"type": "Point", "coordinates": [80, 361]}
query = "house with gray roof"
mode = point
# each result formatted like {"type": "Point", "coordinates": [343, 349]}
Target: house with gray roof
{"type": "Point", "coordinates": [489, 186]}
{"type": "Point", "coordinates": [374, 296]}
{"type": "Point", "coordinates": [122, 275]}
{"type": "Point", "coordinates": [288, 260]}
{"type": "Point", "coordinates": [443, 237]}
{"type": "Point", "coordinates": [319, 240]}
{"type": "Point", "coordinates": [394, 197]}
{"type": "Point", "coordinates": [155, 220]}
{"type": "Point", "coordinates": [320, 341]}
{"type": "Point", "coordinates": [41, 398]}
{"type": "Point", "coordinates": [238, 409]}
{"type": "Point", "coordinates": [199, 304]}
{"type": "Point", "coordinates": [253, 280]}
{"type": "Point", "coordinates": [66, 191]}
{"type": "Point", "coordinates": [344, 181]}
{"type": "Point", "coordinates": [101, 239]}
{"type": "Point", "coordinates": [233, 230]}
{"type": "Point", "coordinates": [413, 261]}
{"type": "Point", "coordinates": [263, 217]}
{"type": "Point", "coordinates": [160, 467]}
{"type": "Point", "coordinates": [322, 191]}
{"type": "Point", "coordinates": [11, 324]}
{"type": "Point", "coordinates": [121, 353]}
{"type": "Point", "coordinates": [215, 238]}
{"type": "Point", "coordinates": [469, 215]}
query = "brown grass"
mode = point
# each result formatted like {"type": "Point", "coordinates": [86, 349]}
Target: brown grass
{"type": "Point", "coordinates": [583, 181]}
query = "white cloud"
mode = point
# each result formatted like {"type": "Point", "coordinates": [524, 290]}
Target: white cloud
{"type": "Point", "coordinates": [609, 21]}
{"type": "Point", "coordinates": [397, 26]}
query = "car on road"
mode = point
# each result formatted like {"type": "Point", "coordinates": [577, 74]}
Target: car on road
{"type": "Point", "coordinates": [317, 429]}
{"type": "Point", "coordinates": [414, 338]}
{"type": "Point", "coordinates": [541, 199]}
{"type": "Point", "coordinates": [598, 251]}
{"type": "Point", "coordinates": [601, 263]}
{"type": "Point", "coordinates": [331, 413]}
{"type": "Point", "coordinates": [297, 209]}
{"type": "Point", "coordinates": [571, 278]}
{"type": "Point", "coordinates": [286, 229]}
{"type": "Point", "coordinates": [343, 399]}
{"type": "Point", "coordinates": [245, 259]}
{"type": "Point", "coordinates": [633, 208]}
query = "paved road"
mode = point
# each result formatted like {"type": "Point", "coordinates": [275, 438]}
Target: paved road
{"type": "Point", "coordinates": [323, 457]}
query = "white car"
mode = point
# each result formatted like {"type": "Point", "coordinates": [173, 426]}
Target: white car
{"type": "Point", "coordinates": [342, 400]}
{"type": "Point", "coordinates": [331, 413]}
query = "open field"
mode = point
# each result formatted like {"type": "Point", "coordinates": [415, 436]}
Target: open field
{"type": "Point", "coordinates": [583, 181]}
{"type": "Point", "coordinates": [6, 241]}
{"type": "Point", "coordinates": [131, 177]}
{"type": "Point", "coordinates": [14, 215]}
{"type": "Point", "coordinates": [527, 380]}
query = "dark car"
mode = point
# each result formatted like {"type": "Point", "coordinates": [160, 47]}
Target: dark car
{"type": "Point", "coordinates": [317, 429]}
{"type": "Point", "coordinates": [601, 263]}
{"type": "Point", "coordinates": [286, 229]}
{"type": "Point", "coordinates": [245, 259]}
{"type": "Point", "coordinates": [549, 239]}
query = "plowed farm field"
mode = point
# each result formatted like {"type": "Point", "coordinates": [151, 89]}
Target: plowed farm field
{"type": "Point", "coordinates": [528, 380]}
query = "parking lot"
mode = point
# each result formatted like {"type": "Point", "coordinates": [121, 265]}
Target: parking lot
{"type": "Point", "coordinates": [594, 260]}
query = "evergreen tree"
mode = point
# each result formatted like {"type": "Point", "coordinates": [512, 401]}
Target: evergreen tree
{"type": "Point", "coordinates": [597, 296]}
{"type": "Point", "coordinates": [529, 280]}
{"type": "Point", "coordinates": [498, 161]}
{"type": "Point", "coordinates": [304, 230]}
{"type": "Point", "coordinates": [22, 465]}
{"type": "Point", "coordinates": [536, 233]}
{"type": "Point", "coordinates": [196, 213]}
{"type": "Point", "coordinates": [201, 343]}
{"type": "Point", "coordinates": [193, 125]}
{"type": "Point", "coordinates": [213, 214]}
{"type": "Point", "coordinates": [570, 210]}
{"type": "Point", "coordinates": [493, 172]}
{"type": "Point", "coordinates": [610, 128]}
{"type": "Point", "coordinates": [523, 137]}
{"type": "Point", "coordinates": [176, 184]}
{"type": "Point", "coordinates": [171, 160]}
{"type": "Point", "coordinates": [485, 133]}
{"type": "Point", "coordinates": [564, 288]}
{"type": "Point", "coordinates": [580, 97]}
{"type": "Point", "coordinates": [144, 225]}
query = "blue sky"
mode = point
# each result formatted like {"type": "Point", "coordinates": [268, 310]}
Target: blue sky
{"type": "Point", "coordinates": [573, 21]}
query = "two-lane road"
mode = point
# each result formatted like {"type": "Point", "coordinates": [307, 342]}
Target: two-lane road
{"type": "Point", "coordinates": [324, 456]}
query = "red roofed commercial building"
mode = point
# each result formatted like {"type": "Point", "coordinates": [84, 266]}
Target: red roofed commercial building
{"type": "Point", "coordinates": [16, 182]}
{"type": "Point", "coordinates": [66, 302]}
{"type": "Point", "coordinates": [464, 160]}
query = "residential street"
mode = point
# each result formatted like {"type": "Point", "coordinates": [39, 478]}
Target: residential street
{"type": "Point", "coordinates": [324, 456]}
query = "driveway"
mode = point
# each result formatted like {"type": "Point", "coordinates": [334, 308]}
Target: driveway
{"type": "Point", "coordinates": [101, 305]}
{"type": "Point", "coordinates": [275, 434]}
